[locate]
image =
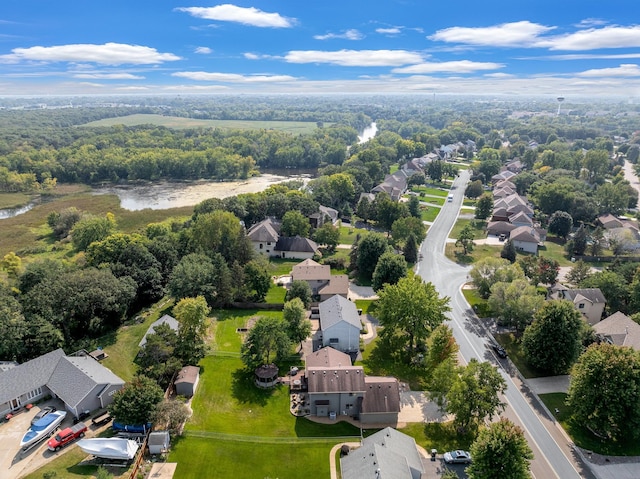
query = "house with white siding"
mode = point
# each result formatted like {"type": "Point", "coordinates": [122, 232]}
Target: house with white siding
{"type": "Point", "coordinates": [340, 324]}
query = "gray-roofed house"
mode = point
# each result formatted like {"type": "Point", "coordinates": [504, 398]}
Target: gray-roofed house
{"type": "Point", "coordinates": [264, 235]}
{"type": "Point", "coordinates": [81, 382]}
{"type": "Point", "coordinates": [165, 319]}
{"type": "Point", "coordinates": [324, 215]}
{"type": "Point", "coordinates": [387, 454]}
{"type": "Point", "coordinates": [295, 247]}
{"type": "Point", "coordinates": [338, 284]}
{"type": "Point", "coordinates": [187, 380]}
{"type": "Point", "coordinates": [340, 324]}
{"type": "Point", "coordinates": [619, 329]}
{"type": "Point", "coordinates": [590, 302]}
{"type": "Point", "coordinates": [320, 279]}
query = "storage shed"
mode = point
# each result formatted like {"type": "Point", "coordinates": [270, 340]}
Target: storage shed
{"type": "Point", "coordinates": [187, 381]}
{"type": "Point", "coordinates": [158, 442]}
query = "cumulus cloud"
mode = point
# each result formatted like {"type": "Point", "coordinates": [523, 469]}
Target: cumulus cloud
{"type": "Point", "coordinates": [203, 50]}
{"type": "Point", "coordinates": [351, 34]}
{"type": "Point", "coordinates": [458, 66]}
{"type": "Point", "coordinates": [591, 22]}
{"type": "Point", "coordinates": [106, 54]}
{"type": "Point", "coordinates": [515, 34]}
{"type": "Point", "coordinates": [499, 75]}
{"type": "Point", "coordinates": [595, 38]}
{"type": "Point", "coordinates": [232, 77]}
{"type": "Point", "coordinates": [355, 58]}
{"type": "Point", "coordinates": [389, 31]}
{"type": "Point", "coordinates": [624, 70]}
{"type": "Point", "coordinates": [107, 76]}
{"type": "Point", "coordinates": [244, 15]}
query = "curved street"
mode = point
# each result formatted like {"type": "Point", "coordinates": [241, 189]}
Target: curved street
{"type": "Point", "coordinates": [554, 454]}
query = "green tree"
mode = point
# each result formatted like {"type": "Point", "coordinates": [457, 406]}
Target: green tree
{"type": "Point", "coordinates": [172, 415]}
{"type": "Point", "coordinates": [410, 250]}
{"type": "Point", "coordinates": [63, 222]}
{"type": "Point", "coordinates": [465, 239]}
{"type": "Point", "coordinates": [474, 189]}
{"type": "Point", "coordinates": [560, 224]}
{"type": "Point", "coordinates": [613, 287]}
{"type": "Point", "coordinates": [553, 341]}
{"type": "Point", "coordinates": [489, 271]}
{"type": "Point", "coordinates": [474, 394]}
{"type": "Point", "coordinates": [580, 241]}
{"type": "Point", "coordinates": [327, 235]}
{"type": "Point", "coordinates": [408, 225]}
{"type": "Point", "coordinates": [192, 315]}
{"type": "Point", "coordinates": [266, 341]}
{"type": "Point", "coordinates": [12, 264]}
{"type": "Point", "coordinates": [201, 275]}
{"type": "Point", "coordinates": [515, 303]}
{"type": "Point", "coordinates": [389, 269]}
{"type": "Point", "coordinates": [387, 211]}
{"type": "Point", "coordinates": [414, 206]}
{"type": "Point", "coordinates": [579, 272]}
{"type": "Point", "coordinates": [441, 346]}
{"type": "Point", "coordinates": [295, 223]}
{"type": "Point", "coordinates": [434, 170]}
{"type": "Point", "coordinates": [500, 450]}
{"type": "Point", "coordinates": [221, 232]}
{"type": "Point", "coordinates": [299, 289]}
{"type": "Point", "coordinates": [370, 248]}
{"type": "Point", "coordinates": [90, 229]}
{"type": "Point", "coordinates": [484, 207]}
{"type": "Point", "coordinates": [410, 310]}
{"type": "Point", "coordinates": [136, 402]}
{"type": "Point", "coordinates": [612, 199]}
{"type": "Point", "coordinates": [156, 359]}
{"type": "Point", "coordinates": [295, 318]}
{"type": "Point", "coordinates": [604, 393]}
{"type": "Point", "coordinates": [508, 251]}
{"type": "Point", "coordinates": [364, 209]}
{"type": "Point", "coordinates": [596, 163]}
{"type": "Point", "coordinates": [258, 278]}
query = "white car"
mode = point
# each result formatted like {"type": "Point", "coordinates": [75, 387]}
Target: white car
{"type": "Point", "coordinates": [457, 457]}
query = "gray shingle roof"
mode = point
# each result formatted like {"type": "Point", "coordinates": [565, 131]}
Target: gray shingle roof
{"type": "Point", "coordinates": [266, 230]}
{"type": "Point", "coordinates": [76, 376]}
{"type": "Point", "coordinates": [28, 376]}
{"type": "Point", "coordinates": [336, 309]}
{"type": "Point", "coordinates": [166, 319]}
{"type": "Point", "coordinates": [296, 244]}
{"type": "Point", "coordinates": [327, 357]}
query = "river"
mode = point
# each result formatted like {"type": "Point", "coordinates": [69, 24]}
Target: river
{"type": "Point", "coordinates": [368, 133]}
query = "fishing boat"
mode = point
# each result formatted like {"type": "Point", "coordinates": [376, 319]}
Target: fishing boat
{"type": "Point", "coordinates": [42, 428]}
{"type": "Point", "coordinates": [110, 448]}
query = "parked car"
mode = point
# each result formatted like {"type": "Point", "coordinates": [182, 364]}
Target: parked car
{"type": "Point", "coordinates": [502, 237]}
{"type": "Point", "coordinates": [66, 436]}
{"type": "Point", "coordinates": [42, 413]}
{"type": "Point", "coordinates": [457, 457]}
{"type": "Point", "coordinates": [500, 351]}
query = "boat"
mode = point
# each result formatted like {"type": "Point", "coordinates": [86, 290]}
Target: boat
{"type": "Point", "coordinates": [42, 428]}
{"type": "Point", "coordinates": [110, 448]}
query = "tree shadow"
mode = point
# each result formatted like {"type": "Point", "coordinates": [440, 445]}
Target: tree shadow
{"type": "Point", "coordinates": [245, 391]}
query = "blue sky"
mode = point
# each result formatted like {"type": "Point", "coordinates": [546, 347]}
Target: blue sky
{"type": "Point", "coordinates": [522, 47]}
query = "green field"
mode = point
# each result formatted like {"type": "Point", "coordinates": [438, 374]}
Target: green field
{"type": "Point", "coordinates": [183, 123]}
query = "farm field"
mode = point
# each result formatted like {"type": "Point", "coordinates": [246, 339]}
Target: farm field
{"type": "Point", "coordinates": [183, 123]}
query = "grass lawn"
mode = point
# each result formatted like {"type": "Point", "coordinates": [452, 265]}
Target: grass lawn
{"type": "Point", "coordinates": [434, 200]}
{"type": "Point", "coordinates": [427, 190]}
{"type": "Point", "coordinates": [364, 304]}
{"type": "Point", "coordinates": [581, 436]}
{"type": "Point", "coordinates": [479, 252]}
{"type": "Point", "coordinates": [429, 213]}
{"type": "Point", "coordinates": [276, 294]}
{"type": "Point", "coordinates": [66, 466]}
{"type": "Point", "coordinates": [281, 267]}
{"type": "Point", "coordinates": [478, 226]}
{"type": "Point", "coordinates": [479, 304]}
{"type": "Point", "coordinates": [554, 249]}
{"type": "Point", "coordinates": [516, 354]}
{"type": "Point", "coordinates": [226, 322]}
{"type": "Point", "coordinates": [376, 361]}
{"type": "Point", "coordinates": [348, 234]}
{"type": "Point", "coordinates": [440, 436]}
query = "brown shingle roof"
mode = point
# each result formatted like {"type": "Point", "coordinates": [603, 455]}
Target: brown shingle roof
{"type": "Point", "coordinates": [310, 270]}
{"type": "Point", "coordinates": [341, 379]}
{"type": "Point", "coordinates": [619, 329]}
{"type": "Point", "coordinates": [188, 374]}
{"type": "Point", "coordinates": [382, 394]}
{"type": "Point", "coordinates": [338, 284]}
{"type": "Point", "coordinates": [327, 357]}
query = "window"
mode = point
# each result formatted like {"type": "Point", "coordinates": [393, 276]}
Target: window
{"type": "Point", "coordinates": [34, 393]}
{"type": "Point", "coordinates": [261, 245]}
{"type": "Point", "coordinates": [581, 306]}
{"type": "Point", "coordinates": [334, 340]}
{"type": "Point", "coordinates": [268, 243]}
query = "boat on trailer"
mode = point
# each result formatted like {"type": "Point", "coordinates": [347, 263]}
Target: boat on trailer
{"type": "Point", "coordinates": [119, 449]}
{"type": "Point", "coordinates": [42, 428]}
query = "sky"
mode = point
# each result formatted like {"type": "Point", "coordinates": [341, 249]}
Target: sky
{"type": "Point", "coordinates": [461, 47]}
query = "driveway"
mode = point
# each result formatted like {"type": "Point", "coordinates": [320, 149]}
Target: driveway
{"type": "Point", "coordinates": [361, 292]}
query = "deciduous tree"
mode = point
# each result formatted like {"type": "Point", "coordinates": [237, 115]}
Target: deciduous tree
{"type": "Point", "coordinates": [465, 238]}
{"type": "Point", "coordinates": [560, 224]}
{"type": "Point", "coordinates": [266, 341]}
{"type": "Point", "coordinates": [489, 271]}
{"type": "Point", "coordinates": [136, 402]}
{"type": "Point", "coordinates": [370, 248]}
{"type": "Point", "coordinates": [515, 303]}
{"type": "Point", "coordinates": [389, 269]}
{"type": "Point", "coordinates": [484, 207]}
{"type": "Point", "coordinates": [295, 223]}
{"type": "Point", "coordinates": [294, 315]}
{"type": "Point", "coordinates": [192, 314]}
{"type": "Point", "coordinates": [299, 289]}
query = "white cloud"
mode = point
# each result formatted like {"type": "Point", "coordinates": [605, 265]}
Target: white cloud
{"type": "Point", "coordinates": [585, 56]}
{"type": "Point", "coordinates": [499, 75]}
{"type": "Point", "coordinates": [355, 58]}
{"type": "Point", "coordinates": [203, 50]}
{"type": "Point", "coordinates": [591, 22]}
{"type": "Point", "coordinates": [107, 76]}
{"type": "Point", "coordinates": [351, 34]}
{"type": "Point", "coordinates": [514, 34]}
{"type": "Point", "coordinates": [459, 66]}
{"type": "Point", "coordinates": [246, 16]}
{"type": "Point", "coordinates": [624, 70]}
{"type": "Point", "coordinates": [595, 38]}
{"type": "Point", "coordinates": [389, 31]}
{"type": "Point", "coordinates": [107, 54]}
{"type": "Point", "coordinates": [232, 77]}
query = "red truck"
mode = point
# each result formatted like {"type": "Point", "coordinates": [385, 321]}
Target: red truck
{"type": "Point", "coordinates": [67, 436]}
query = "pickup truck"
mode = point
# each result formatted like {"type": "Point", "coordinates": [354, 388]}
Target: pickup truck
{"type": "Point", "coordinates": [67, 436]}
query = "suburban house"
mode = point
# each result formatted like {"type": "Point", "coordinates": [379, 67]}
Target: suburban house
{"type": "Point", "coordinates": [81, 382]}
{"type": "Point", "coordinates": [527, 238]}
{"type": "Point", "coordinates": [609, 222]}
{"type": "Point", "coordinates": [503, 175]}
{"type": "Point", "coordinates": [322, 216]}
{"type": "Point", "coordinates": [395, 185]}
{"type": "Point", "coordinates": [187, 380]}
{"type": "Point", "coordinates": [619, 329]}
{"type": "Point", "coordinates": [590, 302]}
{"type": "Point", "coordinates": [340, 324]}
{"type": "Point", "coordinates": [295, 247]}
{"type": "Point", "coordinates": [166, 319]}
{"type": "Point", "coordinates": [264, 235]}
{"type": "Point", "coordinates": [336, 388]}
{"type": "Point", "coordinates": [386, 454]}
{"type": "Point", "coordinates": [500, 228]}
{"type": "Point", "coordinates": [320, 279]}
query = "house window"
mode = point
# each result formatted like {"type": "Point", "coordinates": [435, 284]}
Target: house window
{"type": "Point", "coordinates": [581, 306]}
{"type": "Point", "coordinates": [268, 243]}
{"type": "Point", "coordinates": [334, 340]}
{"type": "Point", "coordinates": [33, 394]}
{"type": "Point", "coordinates": [261, 245]}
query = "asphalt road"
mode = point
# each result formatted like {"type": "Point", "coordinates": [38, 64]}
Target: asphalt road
{"type": "Point", "coordinates": [549, 449]}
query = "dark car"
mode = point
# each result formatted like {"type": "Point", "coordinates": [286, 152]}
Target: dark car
{"type": "Point", "coordinates": [500, 351]}
{"type": "Point", "coordinates": [42, 413]}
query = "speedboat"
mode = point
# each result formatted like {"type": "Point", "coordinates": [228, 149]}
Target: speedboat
{"type": "Point", "coordinates": [42, 428]}
{"type": "Point", "coordinates": [110, 448]}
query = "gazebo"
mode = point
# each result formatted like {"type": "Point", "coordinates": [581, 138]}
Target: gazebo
{"type": "Point", "coordinates": [266, 375]}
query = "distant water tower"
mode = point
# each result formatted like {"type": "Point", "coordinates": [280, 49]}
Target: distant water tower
{"type": "Point", "coordinates": [560, 100]}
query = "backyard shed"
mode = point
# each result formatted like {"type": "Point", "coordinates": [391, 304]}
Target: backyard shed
{"type": "Point", "coordinates": [187, 381]}
{"type": "Point", "coordinates": [158, 442]}
{"type": "Point", "coordinates": [266, 375]}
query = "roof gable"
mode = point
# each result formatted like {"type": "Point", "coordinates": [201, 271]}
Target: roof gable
{"type": "Point", "coordinates": [28, 376]}
{"type": "Point", "coordinates": [166, 319]}
{"type": "Point", "coordinates": [309, 270]}
{"type": "Point", "coordinates": [337, 309]}
{"type": "Point", "coordinates": [327, 357]}
{"type": "Point", "coordinates": [619, 329]}
{"type": "Point", "coordinates": [266, 230]}
{"type": "Point", "coordinates": [296, 244]}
